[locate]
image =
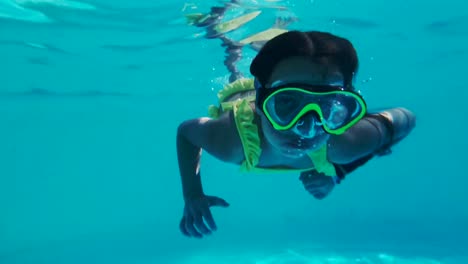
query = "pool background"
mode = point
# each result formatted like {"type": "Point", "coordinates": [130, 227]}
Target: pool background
{"type": "Point", "coordinates": [91, 95]}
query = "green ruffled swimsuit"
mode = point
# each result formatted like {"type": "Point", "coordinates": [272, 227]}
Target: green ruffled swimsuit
{"type": "Point", "coordinates": [237, 97]}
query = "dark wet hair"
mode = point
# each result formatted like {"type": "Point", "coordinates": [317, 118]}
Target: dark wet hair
{"type": "Point", "coordinates": [320, 47]}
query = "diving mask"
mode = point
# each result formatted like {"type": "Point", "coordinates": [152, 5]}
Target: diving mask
{"type": "Point", "coordinates": [338, 109]}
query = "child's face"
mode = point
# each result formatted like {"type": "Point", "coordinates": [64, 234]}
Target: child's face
{"type": "Point", "coordinates": [307, 135]}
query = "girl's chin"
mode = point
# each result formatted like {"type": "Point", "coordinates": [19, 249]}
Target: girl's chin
{"type": "Point", "coordinates": [298, 150]}
{"type": "Point", "coordinates": [293, 153]}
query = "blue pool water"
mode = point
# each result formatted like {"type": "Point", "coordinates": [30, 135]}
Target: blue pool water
{"type": "Point", "coordinates": [92, 92]}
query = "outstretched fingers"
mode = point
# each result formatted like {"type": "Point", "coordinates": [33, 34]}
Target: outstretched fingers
{"type": "Point", "coordinates": [198, 219]}
{"type": "Point", "coordinates": [183, 228]}
{"type": "Point", "coordinates": [209, 219]}
{"type": "Point", "coordinates": [201, 226]}
{"type": "Point", "coordinates": [216, 201]}
{"type": "Point", "coordinates": [189, 226]}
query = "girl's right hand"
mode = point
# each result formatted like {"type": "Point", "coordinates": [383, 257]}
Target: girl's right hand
{"type": "Point", "coordinates": [197, 215]}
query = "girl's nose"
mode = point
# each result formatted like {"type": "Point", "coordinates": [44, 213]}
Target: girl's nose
{"type": "Point", "coordinates": [307, 125]}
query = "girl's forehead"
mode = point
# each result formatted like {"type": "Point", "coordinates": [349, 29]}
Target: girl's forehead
{"type": "Point", "coordinates": [302, 70]}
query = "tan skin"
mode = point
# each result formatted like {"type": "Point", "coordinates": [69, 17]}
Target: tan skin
{"type": "Point", "coordinates": [219, 137]}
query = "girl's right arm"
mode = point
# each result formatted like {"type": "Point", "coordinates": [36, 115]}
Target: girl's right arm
{"type": "Point", "coordinates": [218, 137]}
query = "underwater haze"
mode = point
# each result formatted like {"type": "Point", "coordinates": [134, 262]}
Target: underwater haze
{"type": "Point", "coordinates": [92, 93]}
